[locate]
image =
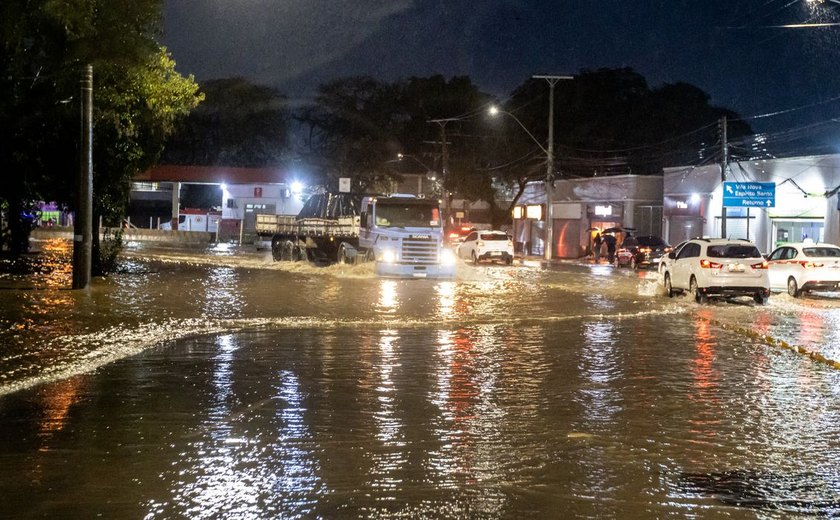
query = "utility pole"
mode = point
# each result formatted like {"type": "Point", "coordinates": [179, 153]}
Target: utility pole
{"type": "Point", "coordinates": [444, 160]}
{"type": "Point", "coordinates": [724, 165]}
{"type": "Point", "coordinates": [549, 166]}
{"type": "Point", "coordinates": [83, 223]}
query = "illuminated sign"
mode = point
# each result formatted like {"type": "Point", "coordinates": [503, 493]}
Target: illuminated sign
{"type": "Point", "coordinates": [681, 204]}
{"type": "Point", "coordinates": [749, 194]}
{"type": "Point", "coordinates": [603, 211]}
{"type": "Point", "coordinates": [534, 212]}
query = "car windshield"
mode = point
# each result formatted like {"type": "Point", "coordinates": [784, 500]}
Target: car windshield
{"type": "Point", "coordinates": [650, 241]}
{"type": "Point", "coordinates": [733, 251]}
{"type": "Point", "coordinates": [407, 215]}
{"type": "Point", "coordinates": [493, 236]}
{"type": "Point", "coordinates": [822, 252]}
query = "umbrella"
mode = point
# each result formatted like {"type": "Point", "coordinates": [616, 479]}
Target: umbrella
{"type": "Point", "coordinates": [618, 230]}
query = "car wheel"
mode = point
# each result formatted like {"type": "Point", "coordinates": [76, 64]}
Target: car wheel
{"type": "Point", "coordinates": [633, 264]}
{"type": "Point", "coordinates": [616, 263]}
{"type": "Point", "coordinates": [760, 298]}
{"type": "Point", "coordinates": [669, 289]}
{"type": "Point", "coordinates": [699, 297]}
{"type": "Point", "coordinates": [793, 287]}
{"type": "Point", "coordinates": [509, 260]}
{"type": "Point", "coordinates": [474, 258]}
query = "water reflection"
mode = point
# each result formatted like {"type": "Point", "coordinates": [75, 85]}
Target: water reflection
{"type": "Point", "coordinates": [388, 299]}
{"type": "Point", "coordinates": [222, 297]}
{"type": "Point", "coordinates": [705, 423]}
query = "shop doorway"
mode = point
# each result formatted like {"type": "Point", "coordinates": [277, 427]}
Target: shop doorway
{"type": "Point", "coordinates": [787, 231]}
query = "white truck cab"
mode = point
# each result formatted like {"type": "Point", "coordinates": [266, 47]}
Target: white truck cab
{"type": "Point", "coordinates": [404, 236]}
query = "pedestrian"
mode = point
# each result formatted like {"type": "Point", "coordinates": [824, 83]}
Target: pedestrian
{"type": "Point", "coordinates": [610, 240]}
{"type": "Point", "coordinates": [596, 247]}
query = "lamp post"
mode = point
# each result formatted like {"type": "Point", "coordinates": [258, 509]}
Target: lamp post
{"type": "Point", "coordinates": [431, 174]}
{"type": "Point", "coordinates": [549, 159]}
{"type": "Point", "coordinates": [549, 166]}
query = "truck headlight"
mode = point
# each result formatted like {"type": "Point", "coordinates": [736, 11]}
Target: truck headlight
{"type": "Point", "coordinates": [447, 257]}
{"type": "Point", "coordinates": [389, 256]}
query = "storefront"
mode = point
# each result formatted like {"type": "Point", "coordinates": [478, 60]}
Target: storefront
{"type": "Point", "coordinates": [583, 207]}
{"type": "Point", "coordinates": [805, 205]}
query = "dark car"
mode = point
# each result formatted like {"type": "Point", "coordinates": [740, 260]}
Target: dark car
{"type": "Point", "coordinates": [641, 251]}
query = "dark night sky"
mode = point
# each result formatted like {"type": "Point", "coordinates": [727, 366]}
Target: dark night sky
{"type": "Point", "coordinates": [732, 49]}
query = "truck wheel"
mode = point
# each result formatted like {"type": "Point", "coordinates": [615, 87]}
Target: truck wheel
{"type": "Point", "coordinates": [287, 253]}
{"type": "Point", "coordinates": [276, 250]}
{"type": "Point", "coordinates": [343, 255]}
{"type": "Point", "coordinates": [298, 254]}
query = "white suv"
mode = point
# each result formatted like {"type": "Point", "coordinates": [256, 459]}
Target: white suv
{"type": "Point", "coordinates": [718, 267]}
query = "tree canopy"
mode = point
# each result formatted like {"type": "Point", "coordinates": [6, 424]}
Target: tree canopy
{"type": "Point", "coordinates": [138, 96]}
{"type": "Point", "coordinates": [238, 124]}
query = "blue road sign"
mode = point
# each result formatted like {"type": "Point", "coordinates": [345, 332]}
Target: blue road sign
{"type": "Point", "coordinates": [749, 194]}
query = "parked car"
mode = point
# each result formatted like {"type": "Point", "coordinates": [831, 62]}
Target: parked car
{"type": "Point", "coordinates": [487, 245]}
{"type": "Point", "coordinates": [709, 267]}
{"type": "Point", "coordinates": [641, 251]}
{"type": "Point", "coordinates": [805, 267]}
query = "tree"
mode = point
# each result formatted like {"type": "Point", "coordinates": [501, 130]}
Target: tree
{"type": "Point", "coordinates": [238, 124]}
{"type": "Point", "coordinates": [607, 121]}
{"type": "Point", "coordinates": [138, 96]}
{"type": "Point", "coordinates": [354, 128]}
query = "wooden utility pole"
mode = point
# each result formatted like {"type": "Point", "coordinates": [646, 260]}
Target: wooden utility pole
{"type": "Point", "coordinates": [83, 223]}
{"type": "Point", "coordinates": [724, 165]}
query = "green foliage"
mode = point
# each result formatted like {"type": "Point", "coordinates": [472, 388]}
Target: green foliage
{"type": "Point", "coordinates": [138, 95]}
{"type": "Point", "coordinates": [106, 259]}
{"type": "Point", "coordinates": [359, 125]}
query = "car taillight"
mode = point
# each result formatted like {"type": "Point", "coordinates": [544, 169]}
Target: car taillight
{"type": "Point", "coordinates": [761, 265]}
{"type": "Point", "coordinates": [807, 264]}
{"type": "Point", "coordinates": [708, 264]}
{"type": "Point", "coordinates": [454, 235]}
{"type": "Point", "coordinates": [644, 249]}
{"type": "Point", "coordinates": [668, 249]}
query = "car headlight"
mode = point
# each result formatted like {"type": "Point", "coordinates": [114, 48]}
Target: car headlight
{"type": "Point", "coordinates": [389, 256]}
{"type": "Point", "coordinates": [447, 257]}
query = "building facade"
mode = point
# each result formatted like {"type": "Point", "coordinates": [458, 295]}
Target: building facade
{"type": "Point", "coordinates": [805, 204]}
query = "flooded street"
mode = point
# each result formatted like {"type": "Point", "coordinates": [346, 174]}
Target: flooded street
{"type": "Point", "coordinates": [218, 384]}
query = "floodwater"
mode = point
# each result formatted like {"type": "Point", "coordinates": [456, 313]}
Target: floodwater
{"type": "Point", "coordinates": [218, 384]}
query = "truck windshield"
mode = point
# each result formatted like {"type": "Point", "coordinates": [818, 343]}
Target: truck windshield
{"type": "Point", "coordinates": [408, 215]}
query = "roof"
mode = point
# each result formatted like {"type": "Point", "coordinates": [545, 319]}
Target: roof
{"type": "Point", "coordinates": [212, 175]}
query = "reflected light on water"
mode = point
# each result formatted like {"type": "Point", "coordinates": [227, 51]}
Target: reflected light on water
{"type": "Point", "coordinates": [446, 298]}
{"type": "Point", "coordinates": [388, 300]}
{"type": "Point", "coordinates": [233, 473]}
{"type": "Point", "coordinates": [222, 298]}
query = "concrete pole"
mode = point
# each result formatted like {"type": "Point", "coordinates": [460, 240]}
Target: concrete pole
{"type": "Point", "coordinates": [549, 167]}
{"type": "Point", "coordinates": [176, 203]}
{"type": "Point", "coordinates": [83, 224]}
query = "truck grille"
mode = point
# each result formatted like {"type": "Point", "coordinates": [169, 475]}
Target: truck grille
{"type": "Point", "coordinates": [419, 251]}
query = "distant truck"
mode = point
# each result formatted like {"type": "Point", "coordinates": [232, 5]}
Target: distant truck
{"type": "Point", "coordinates": [402, 234]}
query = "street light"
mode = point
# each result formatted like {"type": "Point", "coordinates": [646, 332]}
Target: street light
{"type": "Point", "coordinates": [549, 159]}
{"type": "Point", "coordinates": [431, 174]}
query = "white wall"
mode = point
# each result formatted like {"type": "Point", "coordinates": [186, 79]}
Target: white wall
{"type": "Point", "coordinates": [274, 194]}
